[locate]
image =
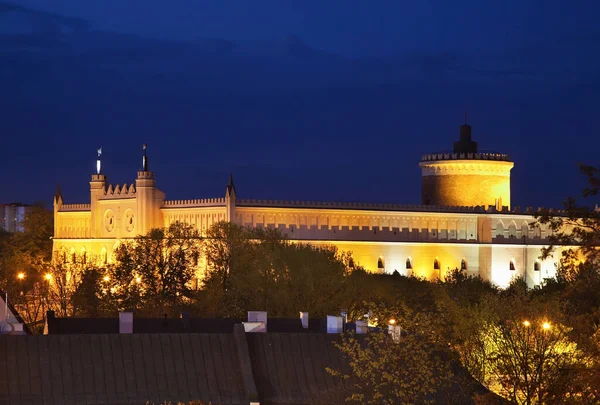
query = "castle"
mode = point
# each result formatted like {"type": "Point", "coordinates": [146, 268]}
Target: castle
{"type": "Point", "coordinates": [465, 221]}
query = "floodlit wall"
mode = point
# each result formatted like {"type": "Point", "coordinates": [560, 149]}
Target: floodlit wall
{"type": "Point", "coordinates": [466, 182]}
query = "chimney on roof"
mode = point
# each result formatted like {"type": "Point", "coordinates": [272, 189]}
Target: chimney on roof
{"type": "Point", "coordinates": [257, 322]}
{"type": "Point", "coordinates": [185, 320]}
{"type": "Point", "coordinates": [125, 322]}
{"type": "Point", "coordinates": [304, 319]}
{"type": "Point", "coordinates": [334, 324]}
{"type": "Point", "coordinates": [361, 327]}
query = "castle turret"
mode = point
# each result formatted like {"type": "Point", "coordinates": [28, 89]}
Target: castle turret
{"type": "Point", "coordinates": [230, 200]}
{"type": "Point", "coordinates": [466, 177]}
{"type": "Point", "coordinates": [149, 199]}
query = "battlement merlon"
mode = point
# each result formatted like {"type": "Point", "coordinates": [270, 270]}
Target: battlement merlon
{"type": "Point", "coordinates": [466, 156]}
{"type": "Point", "coordinates": [202, 202]}
{"type": "Point", "coordinates": [386, 207]}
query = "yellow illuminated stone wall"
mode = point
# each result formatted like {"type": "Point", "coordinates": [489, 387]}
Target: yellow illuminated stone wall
{"type": "Point", "coordinates": [466, 183]}
{"type": "Point", "coordinates": [410, 239]}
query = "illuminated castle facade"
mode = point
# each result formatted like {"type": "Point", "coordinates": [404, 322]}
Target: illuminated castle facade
{"type": "Point", "coordinates": [465, 220]}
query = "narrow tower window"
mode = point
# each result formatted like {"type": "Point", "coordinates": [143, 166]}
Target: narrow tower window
{"type": "Point", "coordinates": [463, 264]}
{"type": "Point", "coordinates": [380, 264]}
{"type": "Point", "coordinates": [512, 265]}
{"type": "Point", "coordinates": [408, 264]}
{"type": "Point", "coordinates": [436, 264]}
{"type": "Point", "coordinates": [536, 266]}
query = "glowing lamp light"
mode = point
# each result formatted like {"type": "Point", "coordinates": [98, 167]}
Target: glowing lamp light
{"type": "Point", "coordinates": [138, 279]}
{"type": "Point", "coordinates": [546, 326]}
{"type": "Point", "coordinates": [392, 321]}
{"type": "Point", "coordinates": [106, 278]}
{"type": "Point", "coordinates": [48, 276]}
{"type": "Point", "coordinates": [21, 276]}
{"type": "Point", "coordinates": [526, 324]}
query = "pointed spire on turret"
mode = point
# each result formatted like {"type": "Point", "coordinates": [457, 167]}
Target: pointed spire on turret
{"type": "Point", "coordinates": [144, 159]}
{"type": "Point", "coordinates": [58, 195]}
{"type": "Point", "coordinates": [230, 185]}
{"type": "Point", "coordinates": [230, 200]}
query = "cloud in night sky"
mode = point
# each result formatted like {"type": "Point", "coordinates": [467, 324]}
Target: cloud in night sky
{"type": "Point", "coordinates": [292, 118]}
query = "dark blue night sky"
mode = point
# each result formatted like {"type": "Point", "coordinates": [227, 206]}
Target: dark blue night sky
{"type": "Point", "coordinates": [302, 100]}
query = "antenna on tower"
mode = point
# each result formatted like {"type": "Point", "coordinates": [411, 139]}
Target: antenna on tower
{"type": "Point", "coordinates": [145, 159]}
{"type": "Point", "coordinates": [99, 161]}
{"type": "Point", "coordinates": [465, 118]}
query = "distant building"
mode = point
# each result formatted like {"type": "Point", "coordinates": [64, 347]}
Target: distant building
{"type": "Point", "coordinates": [12, 216]}
{"type": "Point", "coordinates": [11, 322]}
{"type": "Point", "coordinates": [465, 220]}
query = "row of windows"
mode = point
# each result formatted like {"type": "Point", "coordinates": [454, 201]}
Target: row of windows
{"type": "Point", "coordinates": [463, 264]}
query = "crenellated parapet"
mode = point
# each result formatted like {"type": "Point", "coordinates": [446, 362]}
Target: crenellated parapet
{"type": "Point", "coordinates": [74, 207]}
{"type": "Point", "coordinates": [124, 191]}
{"type": "Point", "coordinates": [203, 202]}
{"type": "Point", "coordinates": [480, 209]}
{"type": "Point", "coordinates": [466, 156]}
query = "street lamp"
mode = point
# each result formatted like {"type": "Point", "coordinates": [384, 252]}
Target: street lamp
{"type": "Point", "coordinates": [546, 326]}
{"type": "Point", "coordinates": [392, 321]}
{"type": "Point", "coordinates": [138, 279]}
{"type": "Point", "coordinates": [526, 324]}
{"type": "Point", "coordinates": [106, 278]}
{"type": "Point", "coordinates": [21, 276]}
{"type": "Point", "coordinates": [48, 277]}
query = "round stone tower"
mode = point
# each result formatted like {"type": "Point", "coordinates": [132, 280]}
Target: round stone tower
{"type": "Point", "coordinates": [466, 177]}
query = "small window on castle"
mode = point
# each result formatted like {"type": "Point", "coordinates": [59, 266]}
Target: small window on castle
{"type": "Point", "coordinates": [408, 264]}
{"type": "Point", "coordinates": [436, 264]}
{"type": "Point", "coordinates": [537, 266]}
{"type": "Point", "coordinates": [512, 265]}
{"type": "Point", "coordinates": [351, 263]}
{"type": "Point", "coordinates": [104, 256]}
{"type": "Point", "coordinates": [463, 264]}
{"type": "Point", "coordinates": [83, 257]}
{"type": "Point", "coordinates": [380, 263]}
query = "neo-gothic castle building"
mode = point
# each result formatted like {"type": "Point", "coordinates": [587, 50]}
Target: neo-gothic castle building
{"type": "Point", "coordinates": [465, 221]}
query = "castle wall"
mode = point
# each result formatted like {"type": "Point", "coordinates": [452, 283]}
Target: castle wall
{"type": "Point", "coordinates": [409, 258]}
{"type": "Point", "coordinates": [361, 225]}
{"type": "Point", "coordinates": [202, 218]}
{"type": "Point", "coordinates": [72, 224]}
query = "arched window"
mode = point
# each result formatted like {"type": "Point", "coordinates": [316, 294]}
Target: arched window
{"type": "Point", "coordinates": [463, 264]}
{"type": "Point", "coordinates": [537, 266]}
{"type": "Point", "coordinates": [436, 264]}
{"type": "Point", "coordinates": [104, 256]}
{"type": "Point", "coordinates": [512, 265]}
{"type": "Point", "coordinates": [351, 263]}
{"type": "Point", "coordinates": [380, 264]}
{"type": "Point", "coordinates": [512, 230]}
{"type": "Point", "coordinates": [500, 229]}
{"type": "Point", "coordinates": [409, 264]}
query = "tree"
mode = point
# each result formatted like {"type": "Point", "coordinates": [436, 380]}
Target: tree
{"type": "Point", "coordinates": [154, 272]}
{"type": "Point", "coordinates": [87, 298]}
{"type": "Point", "coordinates": [577, 225]}
{"type": "Point", "coordinates": [62, 278]}
{"type": "Point", "coordinates": [23, 256]}
{"type": "Point", "coordinates": [260, 269]}
{"type": "Point", "coordinates": [405, 368]}
{"type": "Point", "coordinates": [521, 350]}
